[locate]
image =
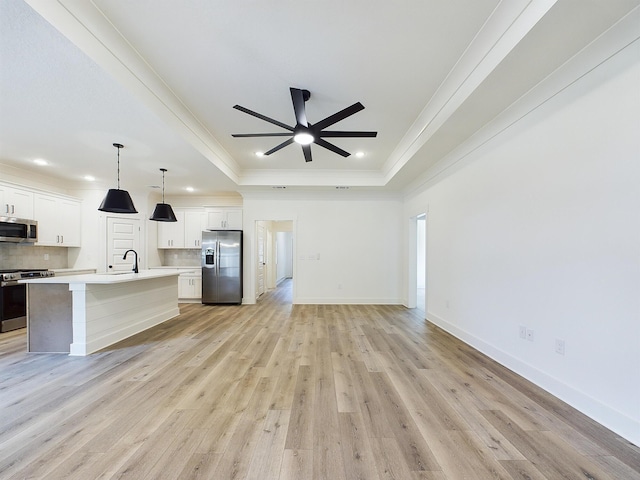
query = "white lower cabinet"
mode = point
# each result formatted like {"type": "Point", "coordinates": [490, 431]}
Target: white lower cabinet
{"type": "Point", "coordinates": [190, 286]}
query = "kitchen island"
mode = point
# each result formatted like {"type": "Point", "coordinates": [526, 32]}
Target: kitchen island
{"type": "Point", "coordinates": [81, 314]}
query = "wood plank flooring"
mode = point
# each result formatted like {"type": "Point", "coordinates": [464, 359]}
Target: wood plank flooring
{"type": "Point", "coordinates": [275, 391]}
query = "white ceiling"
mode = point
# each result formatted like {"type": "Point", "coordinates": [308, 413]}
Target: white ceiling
{"type": "Point", "coordinates": [161, 77]}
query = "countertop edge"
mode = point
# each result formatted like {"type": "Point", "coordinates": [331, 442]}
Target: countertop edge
{"type": "Point", "coordinates": [106, 278]}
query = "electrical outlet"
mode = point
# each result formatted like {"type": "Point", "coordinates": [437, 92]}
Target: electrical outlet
{"type": "Point", "coordinates": [530, 335]}
{"type": "Point", "coordinates": [46, 256]}
{"type": "Point", "coordinates": [339, 286]}
{"type": "Point", "coordinates": [559, 346]}
{"type": "Point", "coordinates": [447, 303]}
{"type": "Point", "coordinates": [522, 332]}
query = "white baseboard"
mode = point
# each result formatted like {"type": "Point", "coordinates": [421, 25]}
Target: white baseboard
{"type": "Point", "coordinates": [618, 422]}
{"type": "Point", "coordinates": [346, 301]}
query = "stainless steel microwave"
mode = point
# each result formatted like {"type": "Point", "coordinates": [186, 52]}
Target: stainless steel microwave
{"type": "Point", "coordinates": [18, 230]}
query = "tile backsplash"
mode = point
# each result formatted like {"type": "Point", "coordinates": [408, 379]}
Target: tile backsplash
{"type": "Point", "coordinates": [181, 258]}
{"type": "Point", "coordinates": [30, 256]}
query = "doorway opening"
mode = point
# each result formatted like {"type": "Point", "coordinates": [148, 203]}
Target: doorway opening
{"type": "Point", "coordinates": [417, 266]}
{"type": "Point", "coordinates": [421, 262]}
{"type": "Point", "coordinates": [274, 259]}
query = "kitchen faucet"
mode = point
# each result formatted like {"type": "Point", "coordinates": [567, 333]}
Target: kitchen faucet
{"type": "Point", "coordinates": [135, 263]}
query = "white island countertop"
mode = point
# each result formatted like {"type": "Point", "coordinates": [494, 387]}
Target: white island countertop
{"type": "Point", "coordinates": [109, 278]}
{"type": "Point", "coordinates": [99, 309]}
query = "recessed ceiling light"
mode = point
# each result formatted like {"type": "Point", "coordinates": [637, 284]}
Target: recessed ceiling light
{"type": "Point", "coordinates": [190, 189]}
{"type": "Point", "coordinates": [359, 154]}
{"type": "Point", "coordinates": [40, 161]}
{"type": "Point", "coordinates": [259, 154]}
{"type": "Point", "coordinates": [90, 178]}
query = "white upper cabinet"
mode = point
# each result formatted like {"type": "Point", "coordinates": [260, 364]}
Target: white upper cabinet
{"type": "Point", "coordinates": [16, 202]}
{"type": "Point", "coordinates": [224, 219]}
{"type": "Point", "coordinates": [171, 234]}
{"type": "Point", "coordinates": [187, 231]}
{"type": "Point", "coordinates": [194, 223]}
{"type": "Point", "coordinates": [58, 220]}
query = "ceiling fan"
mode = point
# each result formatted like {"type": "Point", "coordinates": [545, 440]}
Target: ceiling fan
{"type": "Point", "coordinates": [304, 132]}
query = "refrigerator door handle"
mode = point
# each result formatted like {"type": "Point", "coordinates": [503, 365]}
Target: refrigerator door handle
{"type": "Point", "coordinates": [218, 257]}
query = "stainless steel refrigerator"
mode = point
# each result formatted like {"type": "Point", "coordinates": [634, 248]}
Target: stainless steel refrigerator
{"type": "Point", "coordinates": [222, 266]}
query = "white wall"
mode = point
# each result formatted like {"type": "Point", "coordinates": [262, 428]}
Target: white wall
{"type": "Point", "coordinates": [541, 229]}
{"type": "Point", "coordinates": [346, 251]}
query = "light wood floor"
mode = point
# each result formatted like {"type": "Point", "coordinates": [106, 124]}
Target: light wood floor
{"type": "Point", "coordinates": [279, 392]}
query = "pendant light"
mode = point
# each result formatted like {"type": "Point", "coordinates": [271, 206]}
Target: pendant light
{"type": "Point", "coordinates": [117, 201]}
{"type": "Point", "coordinates": [163, 211]}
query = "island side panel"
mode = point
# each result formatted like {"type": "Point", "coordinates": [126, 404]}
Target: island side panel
{"type": "Point", "coordinates": [49, 317]}
{"type": "Point", "coordinates": [104, 314]}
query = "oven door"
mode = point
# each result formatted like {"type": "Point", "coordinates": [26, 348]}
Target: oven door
{"type": "Point", "coordinates": [13, 307]}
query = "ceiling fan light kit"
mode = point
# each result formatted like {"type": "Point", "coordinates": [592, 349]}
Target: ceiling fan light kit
{"type": "Point", "coordinates": [305, 133]}
{"type": "Point", "coordinates": [163, 211]}
{"type": "Point", "coordinates": [116, 200]}
{"type": "Point", "coordinates": [303, 138]}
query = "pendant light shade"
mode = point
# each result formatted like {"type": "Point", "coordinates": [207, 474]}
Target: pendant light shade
{"type": "Point", "coordinates": [116, 200]}
{"type": "Point", "coordinates": [163, 211]}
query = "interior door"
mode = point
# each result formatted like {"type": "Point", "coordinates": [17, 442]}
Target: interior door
{"type": "Point", "coordinates": [261, 259]}
{"type": "Point", "coordinates": [122, 234]}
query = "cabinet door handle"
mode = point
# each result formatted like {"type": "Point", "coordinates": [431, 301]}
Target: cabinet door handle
{"type": "Point", "coordinates": [61, 238]}
{"type": "Point", "coordinates": [13, 209]}
{"type": "Point", "coordinates": [7, 208]}
{"type": "Point", "coordinates": [57, 238]}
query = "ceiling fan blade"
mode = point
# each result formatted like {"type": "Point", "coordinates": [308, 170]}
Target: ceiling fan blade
{"type": "Point", "coordinates": [278, 147]}
{"type": "Point", "coordinates": [297, 98]}
{"type": "Point", "coordinates": [347, 134]}
{"type": "Point", "coordinates": [246, 135]}
{"type": "Point", "coordinates": [306, 149]}
{"type": "Point", "coordinates": [341, 115]}
{"type": "Point", "coordinates": [262, 117]}
{"type": "Point", "coordinates": [331, 146]}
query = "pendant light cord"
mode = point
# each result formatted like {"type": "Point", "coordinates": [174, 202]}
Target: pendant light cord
{"type": "Point", "coordinates": [163, 170]}
{"type": "Point", "coordinates": [118, 168]}
{"type": "Point", "coordinates": [118, 146]}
